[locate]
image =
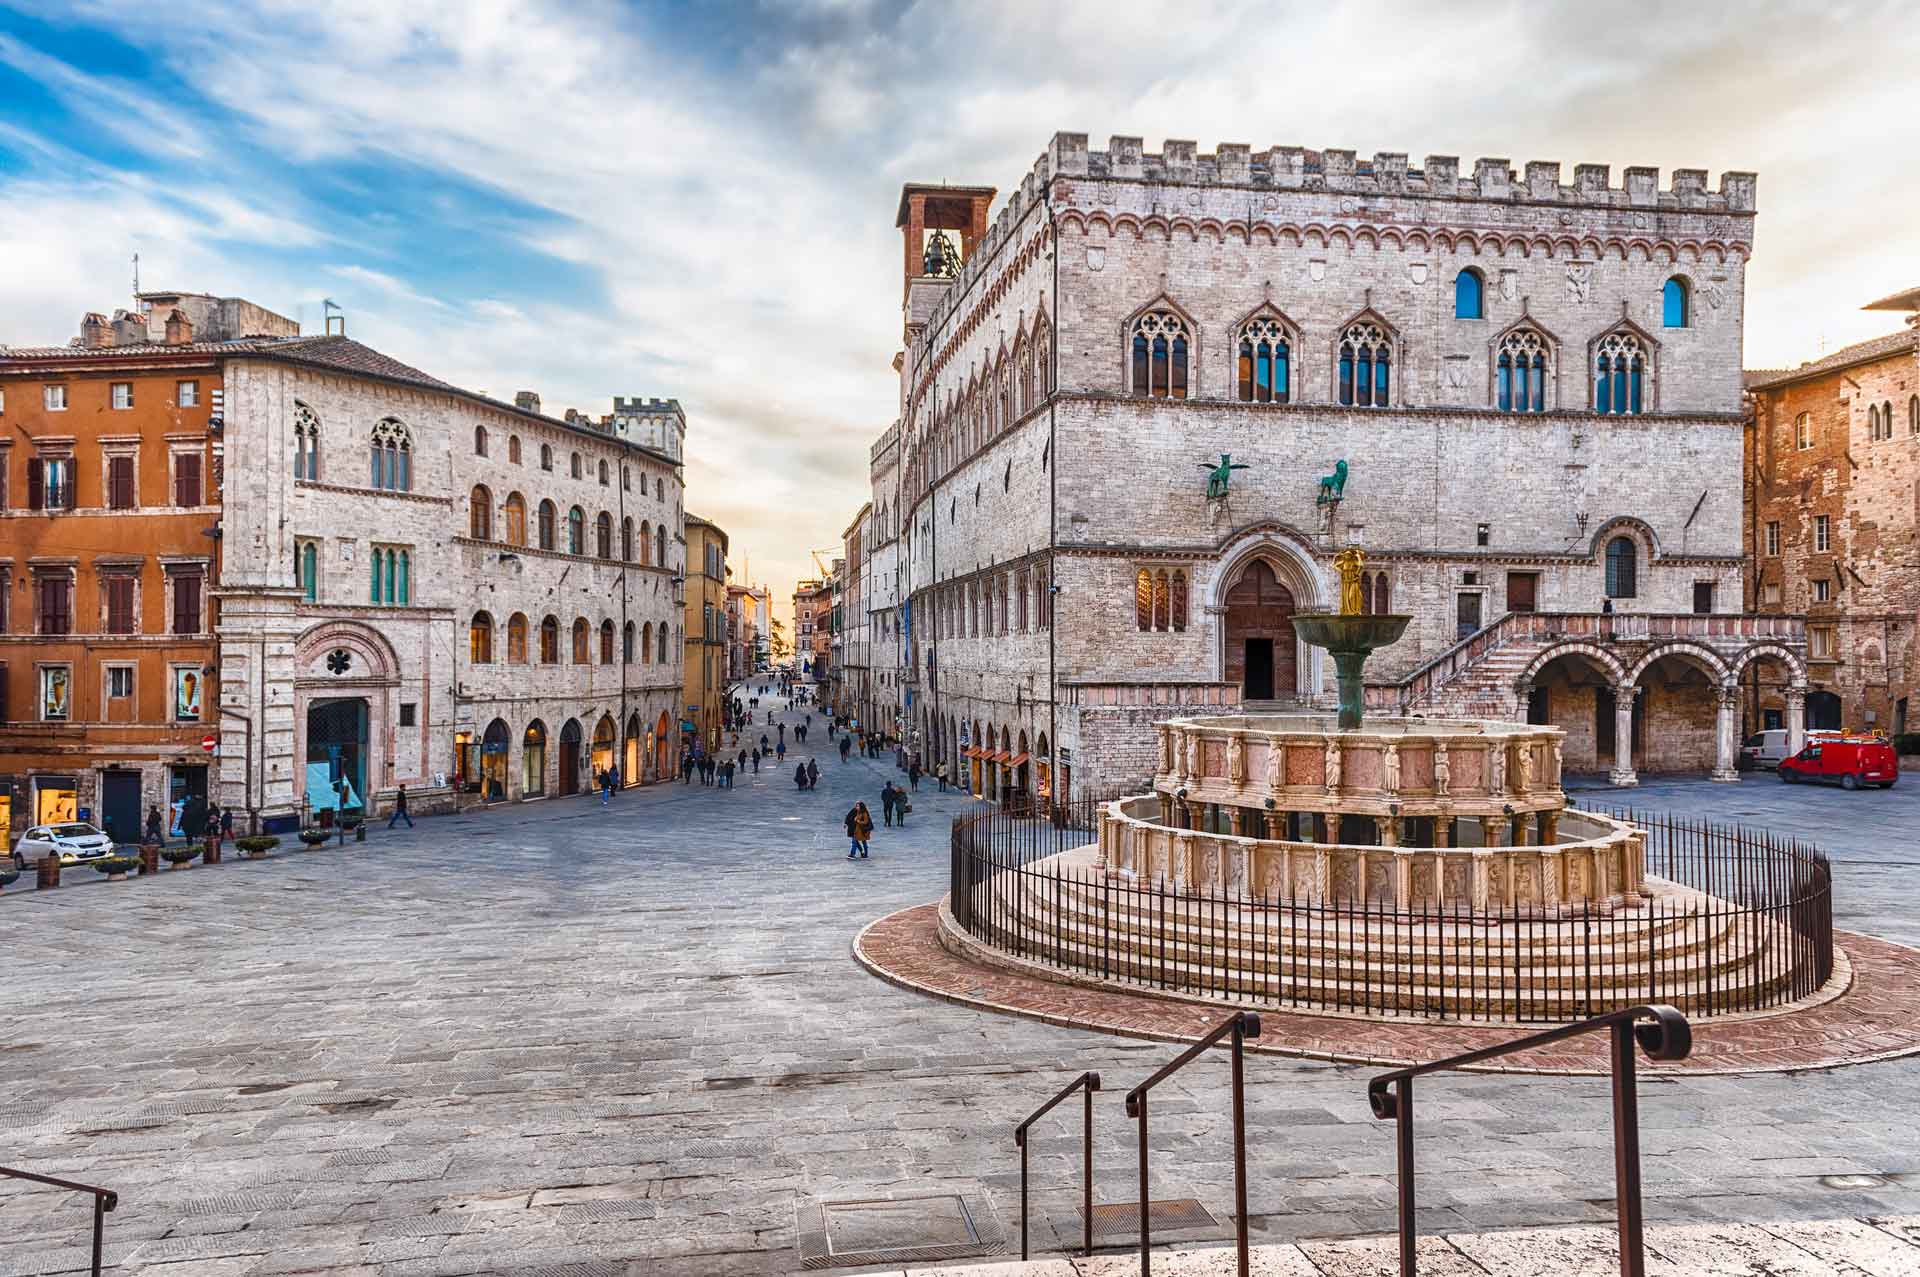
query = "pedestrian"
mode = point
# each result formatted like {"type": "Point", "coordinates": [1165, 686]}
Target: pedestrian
{"type": "Point", "coordinates": [901, 806]}
{"type": "Point", "coordinates": [800, 776]}
{"type": "Point", "coordinates": [846, 747]}
{"type": "Point", "coordinates": [213, 821]}
{"type": "Point", "coordinates": [226, 823]}
{"type": "Point", "coordinates": [764, 743]}
{"type": "Point", "coordinates": [756, 762]}
{"type": "Point", "coordinates": [606, 788]}
{"type": "Point", "coordinates": [886, 804]}
{"type": "Point", "coordinates": [726, 774]}
{"type": "Point", "coordinates": [783, 731]}
{"type": "Point", "coordinates": [780, 752]}
{"type": "Point", "coordinates": [913, 775]}
{"type": "Point", "coordinates": [400, 809]}
{"type": "Point", "coordinates": [153, 825]}
{"type": "Point", "coordinates": [813, 773]}
{"type": "Point", "coordinates": [859, 824]}
{"type": "Point", "coordinates": [940, 774]}
{"type": "Point", "coordinates": [686, 769]}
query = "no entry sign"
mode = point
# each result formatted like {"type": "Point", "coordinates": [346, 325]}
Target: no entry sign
{"type": "Point", "coordinates": [209, 743]}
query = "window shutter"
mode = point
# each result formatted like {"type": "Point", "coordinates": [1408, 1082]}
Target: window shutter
{"type": "Point", "coordinates": [186, 604]}
{"type": "Point", "coordinates": [120, 483]}
{"type": "Point", "coordinates": [119, 604]}
{"type": "Point", "coordinates": [36, 483]}
{"type": "Point", "coordinates": [186, 480]}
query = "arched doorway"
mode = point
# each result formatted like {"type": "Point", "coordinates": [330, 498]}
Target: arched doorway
{"type": "Point", "coordinates": [1823, 712]}
{"type": "Point", "coordinates": [1675, 713]}
{"type": "Point", "coordinates": [493, 761]}
{"type": "Point", "coordinates": [533, 760]}
{"type": "Point", "coordinates": [1574, 691]}
{"type": "Point", "coordinates": [630, 756]}
{"type": "Point", "coordinates": [570, 758]}
{"type": "Point", "coordinates": [662, 733]}
{"type": "Point", "coordinates": [603, 740]}
{"type": "Point", "coordinates": [337, 752]}
{"type": "Point", "coordinates": [1260, 645]}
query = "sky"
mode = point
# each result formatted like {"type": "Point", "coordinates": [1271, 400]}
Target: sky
{"type": "Point", "coordinates": [696, 201]}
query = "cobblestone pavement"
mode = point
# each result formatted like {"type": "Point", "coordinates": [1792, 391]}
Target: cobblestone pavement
{"type": "Point", "coordinates": [572, 1040]}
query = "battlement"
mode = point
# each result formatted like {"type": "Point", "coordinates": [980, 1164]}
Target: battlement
{"type": "Point", "coordinates": [636, 405]}
{"type": "Point", "coordinates": [1386, 175]}
{"type": "Point", "coordinates": [888, 438]}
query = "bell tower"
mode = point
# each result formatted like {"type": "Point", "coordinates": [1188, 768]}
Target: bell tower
{"type": "Point", "coordinates": [940, 226]}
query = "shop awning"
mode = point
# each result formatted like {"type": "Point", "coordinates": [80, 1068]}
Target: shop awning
{"type": "Point", "coordinates": [970, 752]}
{"type": "Point", "coordinates": [1017, 759]}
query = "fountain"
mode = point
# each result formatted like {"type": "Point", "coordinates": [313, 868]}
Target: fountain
{"type": "Point", "coordinates": [1351, 635]}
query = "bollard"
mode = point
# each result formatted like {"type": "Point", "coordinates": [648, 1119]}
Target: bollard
{"type": "Point", "coordinates": [211, 856]}
{"type": "Point", "coordinates": [149, 858]}
{"type": "Point", "coordinates": [360, 832]}
{"type": "Point", "coordinates": [49, 873]}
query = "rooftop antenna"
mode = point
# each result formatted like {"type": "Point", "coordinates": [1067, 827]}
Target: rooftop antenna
{"type": "Point", "coordinates": [330, 313]}
{"type": "Point", "coordinates": [136, 275]}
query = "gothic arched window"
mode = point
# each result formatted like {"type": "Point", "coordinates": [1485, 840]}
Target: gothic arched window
{"type": "Point", "coordinates": [1620, 375]}
{"type": "Point", "coordinates": [626, 539]}
{"type": "Point", "coordinates": [548, 514]}
{"type": "Point", "coordinates": [517, 639]}
{"type": "Point", "coordinates": [306, 442]}
{"type": "Point", "coordinates": [646, 643]}
{"type": "Point", "coordinates": [513, 449]}
{"type": "Point", "coordinates": [1913, 415]}
{"type": "Point", "coordinates": [576, 531]}
{"type": "Point", "coordinates": [661, 644]}
{"type": "Point", "coordinates": [1520, 372]}
{"type": "Point", "coordinates": [1366, 366]}
{"type": "Point", "coordinates": [514, 513]}
{"type": "Point", "coordinates": [391, 448]}
{"type": "Point", "coordinates": [581, 655]}
{"type": "Point", "coordinates": [480, 639]}
{"type": "Point", "coordinates": [627, 635]}
{"type": "Point", "coordinates": [606, 642]}
{"type": "Point", "coordinates": [1622, 565]}
{"type": "Point", "coordinates": [1469, 290]}
{"type": "Point", "coordinates": [480, 513]}
{"type": "Point", "coordinates": [603, 535]}
{"type": "Point", "coordinates": [550, 641]}
{"type": "Point", "coordinates": [1161, 351]}
{"type": "Point", "coordinates": [546, 456]}
{"type": "Point", "coordinates": [1266, 361]}
{"type": "Point", "coordinates": [660, 547]}
{"type": "Point", "coordinates": [1676, 303]}
{"type": "Point", "coordinates": [479, 441]}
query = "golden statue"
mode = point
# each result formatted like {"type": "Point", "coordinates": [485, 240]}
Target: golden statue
{"type": "Point", "coordinates": [1348, 563]}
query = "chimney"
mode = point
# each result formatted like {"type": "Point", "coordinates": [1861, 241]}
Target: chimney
{"type": "Point", "coordinates": [526, 401]}
{"type": "Point", "coordinates": [179, 329]}
{"type": "Point", "coordinates": [129, 329]}
{"type": "Point", "coordinates": [95, 332]}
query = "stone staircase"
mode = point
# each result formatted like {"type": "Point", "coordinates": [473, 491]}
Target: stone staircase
{"type": "Point", "coordinates": [1886, 1246]}
{"type": "Point", "coordinates": [1481, 676]}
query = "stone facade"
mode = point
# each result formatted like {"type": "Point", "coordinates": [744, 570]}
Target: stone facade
{"type": "Point", "coordinates": [1833, 529]}
{"type": "Point", "coordinates": [1101, 341]}
{"type": "Point", "coordinates": [853, 686]}
{"type": "Point", "coordinates": [706, 631]}
{"type": "Point", "coordinates": [424, 586]}
{"type": "Point", "coordinates": [888, 704]}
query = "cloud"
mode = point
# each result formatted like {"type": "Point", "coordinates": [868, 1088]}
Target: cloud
{"type": "Point", "coordinates": [696, 201]}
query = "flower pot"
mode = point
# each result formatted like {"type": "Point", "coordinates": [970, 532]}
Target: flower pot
{"type": "Point", "coordinates": [119, 877]}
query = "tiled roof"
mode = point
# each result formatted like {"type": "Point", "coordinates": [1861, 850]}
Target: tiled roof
{"type": "Point", "coordinates": [346, 355]}
{"type": "Point", "coordinates": [241, 345]}
{"type": "Point", "coordinates": [1858, 353]}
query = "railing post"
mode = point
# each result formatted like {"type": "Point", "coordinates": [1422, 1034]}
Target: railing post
{"type": "Point", "coordinates": [1240, 1139]}
{"type": "Point", "coordinates": [1146, 1241]}
{"type": "Point", "coordinates": [99, 1227]}
{"type": "Point", "coordinates": [1403, 1145]}
{"type": "Point", "coordinates": [1086, 1179]}
{"type": "Point", "coordinates": [1626, 1152]}
{"type": "Point", "coordinates": [1023, 1198]}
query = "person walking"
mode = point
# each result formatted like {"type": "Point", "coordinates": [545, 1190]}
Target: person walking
{"type": "Point", "coordinates": [765, 744]}
{"type": "Point", "coordinates": [846, 747]}
{"type": "Point", "coordinates": [859, 824]}
{"type": "Point", "coordinates": [886, 803]}
{"type": "Point", "coordinates": [153, 825]}
{"type": "Point", "coordinates": [783, 731]}
{"type": "Point", "coordinates": [780, 752]}
{"type": "Point", "coordinates": [226, 824]}
{"type": "Point", "coordinates": [940, 774]}
{"type": "Point", "coordinates": [813, 774]}
{"type": "Point", "coordinates": [800, 776]}
{"type": "Point", "coordinates": [686, 769]}
{"type": "Point", "coordinates": [756, 762]}
{"type": "Point", "coordinates": [606, 788]}
{"type": "Point", "coordinates": [913, 775]}
{"type": "Point", "coordinates": [400, 809]}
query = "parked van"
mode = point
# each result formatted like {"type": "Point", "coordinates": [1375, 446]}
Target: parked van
{"type": "Point", "coordinates": [1767, 749]}
{"type": "Point", "coordinates": [1853, 761]}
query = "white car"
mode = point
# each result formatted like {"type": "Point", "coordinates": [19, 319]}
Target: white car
{"type": "Point", "coordinates": [74, 842]}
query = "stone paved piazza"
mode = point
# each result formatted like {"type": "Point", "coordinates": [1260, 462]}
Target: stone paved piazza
{"type": "Point", "coordinates": [573, 1040]}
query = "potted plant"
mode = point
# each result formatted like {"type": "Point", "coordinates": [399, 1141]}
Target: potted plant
{"type": "Point", "coordinates": [115, 867]}
{"type": "Point", "coordinates": [355, 818]}
{"type": "Point", "coordinates": [313, 835]}
{"type": "Point", "coordinates": [180, 855]}
{"type": "Point", "coordinates": [9, 872]}
{"type": "Point", "coordinates": [257, 845]}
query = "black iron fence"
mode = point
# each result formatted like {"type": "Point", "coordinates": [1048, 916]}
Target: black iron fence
{"type": "Point", "coordinates": [1752, 929]}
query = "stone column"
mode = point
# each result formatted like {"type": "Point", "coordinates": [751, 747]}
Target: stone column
{"type": "Point", "coordinates": [1549, 828]}
{"type": "Point", "coordinates": [1724, 736]}
{"type": "Point", "coordinates": [1237, 821]}
{"type": "Point", "coordinates": [1796, 719]}
{"type": "Point", "coordinates": [1623, 773]}
{"type": "Point", "coordinates": [1333, 827]}
{"type": "Point", "coordinates": [1442, 831]}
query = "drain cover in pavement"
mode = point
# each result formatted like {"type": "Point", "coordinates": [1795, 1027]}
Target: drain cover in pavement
{"type": "Point", "coordinates": [896, 1230]}
{"type": "Point", "coordinates": [1179, 1216]}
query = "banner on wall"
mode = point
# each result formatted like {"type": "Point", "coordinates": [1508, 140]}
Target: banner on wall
{"type": "Point", "coordinates": [186, 694]}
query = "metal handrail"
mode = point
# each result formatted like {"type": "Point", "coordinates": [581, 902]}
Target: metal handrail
{"type": "Point", "coordinates": [1241, 1026]}
{"type": "Point", "coordinates": [1089, 1082]}
{"type": "Point", "coordinates": [104, 1200]}
{"type": "Point", "coordinates": [1666, 1035]}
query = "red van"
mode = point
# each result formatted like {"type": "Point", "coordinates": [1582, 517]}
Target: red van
{"type": "Point", "coordinates": [1853, 761]}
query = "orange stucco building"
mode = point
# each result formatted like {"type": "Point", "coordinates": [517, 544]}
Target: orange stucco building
{"type": "Point", "coordinates": [110, 472]}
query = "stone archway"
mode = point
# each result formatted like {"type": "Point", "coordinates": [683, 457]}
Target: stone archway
{"type": "Point", "coordinates": [1261, 580]}
{"type": "Point", "coordinates": [346, 677]}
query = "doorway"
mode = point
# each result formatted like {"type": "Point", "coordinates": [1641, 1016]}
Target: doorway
{"type": "Point", "coordinates": [120, 805]}
{"type": "Point", "coordinates": [1466, 608]}
{"type": "Point", "coordinates": [337, 742]}
{"type": "Point", "coordinates": [570, 758]}
{"type": "Point", "coordinates": [1523, 591]}
{"type": "Point", "coordinates": [1823, 712]}
{"type": "Point", "coordinates": [1257, 684]}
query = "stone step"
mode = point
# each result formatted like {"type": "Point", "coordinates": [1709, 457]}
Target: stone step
{"type": "Point", "coordinates": [1883, 1246]}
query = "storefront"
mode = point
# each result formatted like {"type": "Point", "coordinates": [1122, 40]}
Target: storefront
{"type": "Point", "coordinates": [533, 761]}
{"type": "Point", "coordinates": [57, 798]}
{"type": "Point", "coordinates": [493, 762]}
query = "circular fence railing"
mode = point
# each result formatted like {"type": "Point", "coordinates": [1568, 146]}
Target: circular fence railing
{"type": "Point", "coordinates": [1737, 920]}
